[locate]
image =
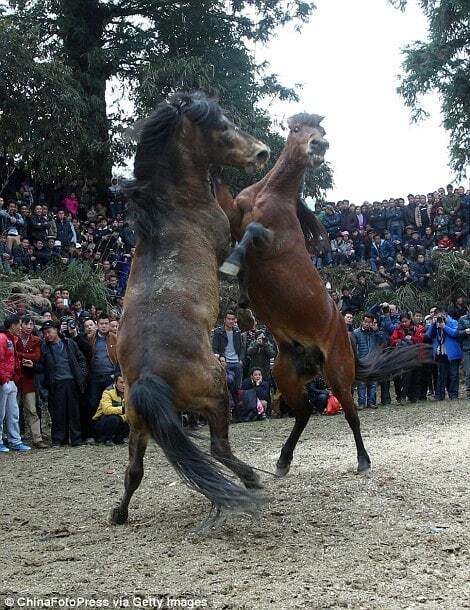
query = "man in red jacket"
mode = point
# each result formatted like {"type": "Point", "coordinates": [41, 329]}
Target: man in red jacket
{"type": "Point", "coordinates": [28, 348]}
{"type": "Point", "coordinates": [409, 332]}
{"type": "Point", "coordinates": [9, 374]}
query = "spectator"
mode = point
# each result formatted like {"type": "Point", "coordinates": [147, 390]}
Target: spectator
{"type": "Point", "coordinates": [411, 384]}
{"type": "Point", "coordinates": [38, 225]}
{"type": "Point", "coordinates": [464, 336]}
{"type": "Point", "coordinates": [365, 341]}
{"type": "Point", "coordinates": [14, 225]}
{"type": "Point", "coordinates": [5, 256]}
{"type": "Point", "coordinates": [71, 205]}
{"type": "Point", "coordinates": [103, 365]}
{"type": "Point", "coordinates": [110, 424]}
{"type": "Point", "coordinates": [256, 398]}
{"type": "Point", "coordinates": [227, 341]}
{"type": "Point", "coordinates": [65, 372]}
{"type": "Point", "coordinates": [422, 271]}
{"type": "Point", "coordinates": [348, 320]}
{"type": "Point", "coordinates": [29, 353]}
{"type": "Point", "coordinates": [260, 353]}
{"type": "Point", "coordinates": [9, 375]}
{"type": "Point", "coordinates": [64, 230]}
{"type": "Point", "coordinates": [447, 352]}
{"type": "Point", "coordinates": [382, 253]}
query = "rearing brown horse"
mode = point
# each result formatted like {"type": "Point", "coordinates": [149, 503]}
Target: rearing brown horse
{"type": "Point", "coordinates": [172, 297]}
{"type": "Point", "coordinates": [287, 292]}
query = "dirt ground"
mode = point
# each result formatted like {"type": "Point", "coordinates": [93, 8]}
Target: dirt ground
{"type": "Point", "coordinates": [326, 538]}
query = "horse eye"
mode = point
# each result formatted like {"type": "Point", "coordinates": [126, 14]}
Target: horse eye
{"type": "Point", "coordinates": [296, 129]}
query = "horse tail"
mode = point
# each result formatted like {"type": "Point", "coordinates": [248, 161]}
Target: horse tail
{"type": "Point", "coordinates": [381, 365]}
{"type": "Point", "coordinates": [151, 398]}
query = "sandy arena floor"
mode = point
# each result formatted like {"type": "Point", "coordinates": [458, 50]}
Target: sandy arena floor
{"type": "Point", "coordinates": [396, 539]}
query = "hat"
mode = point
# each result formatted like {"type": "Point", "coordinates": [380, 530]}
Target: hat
{"type": "Point", "coordinates": [344, 232]}
{"type": "Point", "coordinates": [50, 237]}
{"type": "Point", "coordinates": [409, 227]}
{"type": "Point", "coordinates": [48, 324]}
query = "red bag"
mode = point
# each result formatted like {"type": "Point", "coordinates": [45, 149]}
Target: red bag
{"type": "Point", "coordinates": [333, 406]}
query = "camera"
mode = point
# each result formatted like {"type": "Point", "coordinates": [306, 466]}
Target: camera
{"type": "Point", "coordinates": [440, 319]}
{"type": "Point", "coordinates": [72, 324]}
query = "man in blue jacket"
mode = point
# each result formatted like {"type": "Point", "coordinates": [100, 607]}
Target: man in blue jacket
{"type": "Point", "coordinates": [382, 252]}
{"type": "Point", "coordinates": [365, 339]}
{"type": "Point", "coordinates": [447, 352]}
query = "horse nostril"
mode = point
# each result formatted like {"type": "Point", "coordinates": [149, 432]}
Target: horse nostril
{"type": "Point", "coordinates": [318, 147]}
{"type": "Point", "coordinates": [262, 156]}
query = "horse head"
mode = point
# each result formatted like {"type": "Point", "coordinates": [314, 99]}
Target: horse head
{"type": "Point", "coordinates": [198, 128]}
{"type": "Point", "coordinates": [307, 136]}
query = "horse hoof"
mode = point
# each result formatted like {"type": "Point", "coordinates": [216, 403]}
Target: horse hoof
{"type": "Point", "coordinates": [229, 269]}
{"type": "Point", "coordinates": [363, 467]}
{"type": "Point", "coordinates": [282, 469]}
{"type": "Point", "coordinates": [117, 517]}
{"type": "Point", "coordinates": [253, 483]}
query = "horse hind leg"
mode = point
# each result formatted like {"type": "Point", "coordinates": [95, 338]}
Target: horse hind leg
{"type": "Point", "coordinates": [220, 445]}
{"type": "Point", "coordinates": [134, 473]}
{"type": "Point", "coordinates": [340, 381]}
{"type": "Point", "coordinates": [292, 387]}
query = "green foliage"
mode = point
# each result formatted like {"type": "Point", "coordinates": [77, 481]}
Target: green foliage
{"type": "Point", "coordinates": [442, 64]}
{"type": "Point", "coordinates": [82, 281]}
{"type": "Point", "coordinates": [452, 276]}
{"type": "Point", "coordinates": [154, 48]}
{"type": "Point", "coordinates": [38, 98]}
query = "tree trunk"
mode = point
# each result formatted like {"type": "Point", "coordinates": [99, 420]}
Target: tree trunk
{"type": "Point", "coordinates": [82, 25]}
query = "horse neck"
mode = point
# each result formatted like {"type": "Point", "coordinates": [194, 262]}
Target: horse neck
{"type": "Point", "coordinates": [179, 177]}
{"type": "Point", "coordinates": [287, 176]}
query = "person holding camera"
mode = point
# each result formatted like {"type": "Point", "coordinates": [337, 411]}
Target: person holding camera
{"type": "Point", "coordinates": [365, 339]}
{"type": "Point", "coordinates": [260, 353]}
{"type": "Point", "coordinates": [447, 352]}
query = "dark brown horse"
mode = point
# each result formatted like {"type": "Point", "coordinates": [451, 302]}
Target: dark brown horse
{"type": "Point", "coordinates": [172, 297]}
{"type": "Point", "coordinates": [287, 292]}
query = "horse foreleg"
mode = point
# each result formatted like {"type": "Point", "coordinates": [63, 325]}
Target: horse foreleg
{"type": "Point", "coordinates": [134, 473]}
{"type": "Point", "coordinates": [254, 232]}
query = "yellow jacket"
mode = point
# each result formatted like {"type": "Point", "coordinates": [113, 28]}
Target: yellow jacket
{"type": "Point", "coordinates": [111, 404]}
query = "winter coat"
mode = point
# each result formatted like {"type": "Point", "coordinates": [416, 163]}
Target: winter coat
{"type": "Point", "coordinates": [76, 360]}
{"type": "Point", "coordinates": [451, 339]}
{"type": "Point", "coordinates": [111, 403]}
{"type": "Point", "coordinates": [219, 342]}
{"type": "Point", "coordinates": [415, 332]}
{"type": "Point", "coordinates": [38, 227]}
{"type": "Point", "coordinates": [64, 232]}
{"type": "Point", "coordinates": [29, 351]}
{"type": "Point", "coordinates": [9, 363]}
{"type": "Point", "coordinates": [331, 222]}
{"type": "Point", "coordinates": [365, 341]}
{"type": "Point", "coordinates": [463, 324]}
{"type": "Point", "coordinates": [384, 251]}
{"type": "Point", "coordinates": [71, 205]}
{"type": "Point", "coordinates": [378, 219]}
{"type": "Point", "coordinates": [395, 219]}
{"type": "Point", "coordinates": [111, 345]}
{"type": "Point", "coordinates": [259, 356]}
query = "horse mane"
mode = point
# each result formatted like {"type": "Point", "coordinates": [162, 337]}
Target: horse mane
{"type": "Point", "coordinates": [161, 125]}
{"type": "Point", "coordinates": [316, 237]}
{"type": "Point", "coordinates": [155, 134]}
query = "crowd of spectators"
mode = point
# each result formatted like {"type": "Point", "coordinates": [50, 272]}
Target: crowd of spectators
{"type": "Point", "coordinates": [64, 357]}
{"type": "Point", "coordinates": [396, 238]}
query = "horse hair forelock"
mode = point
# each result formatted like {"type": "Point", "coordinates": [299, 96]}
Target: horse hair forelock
{"type": "Point", "coordinates": [303, 118]}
